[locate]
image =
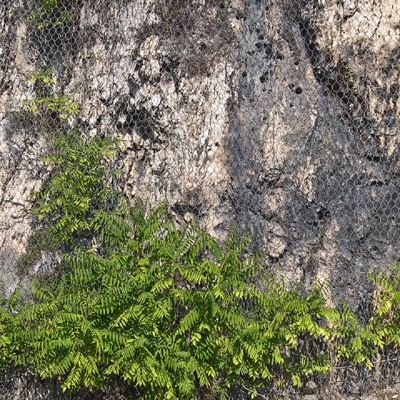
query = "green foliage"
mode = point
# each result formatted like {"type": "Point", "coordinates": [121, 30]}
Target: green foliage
{"type": "Point", "coordinates": [47, 13]}
{"type": "Point", "coordinates": [38, 242]}
{"type": "Point", "coordinates": [10, 329]}
{"type": "Point", "coordinates": [79, 185]}
{"type": "Point", "coordinates": [384, 327]}
{"type": "Point", "coordinates": [45, 76]}
{"type": "Point", "coordinates": [169, 310]}
{"type": "Point", "coordinates": [53, 112]}
{"type": "Point", "coordinates": [46, 103]}
{"type": "Point", "coordinates": [79, 182]}
{"type": "Point", "coordinates": [175, 313]}
{"type": "Point", "coordinates": [63, 105]}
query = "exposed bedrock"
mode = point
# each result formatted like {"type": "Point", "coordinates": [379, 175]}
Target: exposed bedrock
{"type": "Point", "coordinates": [281, 118]}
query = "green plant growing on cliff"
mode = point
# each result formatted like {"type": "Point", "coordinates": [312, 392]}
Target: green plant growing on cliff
{"type": "Point", "coordinates": [46, 103]}
{"type": "Point", "coordinates": [79, 182]}
{"type": "Point", "coordinates": [69, 199]}
{"type": "Point", "coordinates": [78, 187]}
{"type": "Point", "coordinates": [45, 76]}
{"type": "Point", "coordinates": [168, 309]}
{"type": "Point", "coordinates": [383, 329]}
{"type": "Point", "coordinates": [179, 315]}
{"type": "Point", "coordinates": [63, 105]}
{"type": "Point", "coordinates": [48, 13]}
{"type": "Point", "coordinates": [165, 307]}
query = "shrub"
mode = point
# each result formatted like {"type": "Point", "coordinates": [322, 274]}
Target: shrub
{"type": "Point", "coordinates": [169, 310]}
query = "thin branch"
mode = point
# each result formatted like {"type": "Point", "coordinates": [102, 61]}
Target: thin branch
{"type": "Point", "coordinates": [254, 392]}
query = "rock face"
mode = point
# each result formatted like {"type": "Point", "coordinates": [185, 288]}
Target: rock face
{"type": "Point", "coordinates": [281, 117]}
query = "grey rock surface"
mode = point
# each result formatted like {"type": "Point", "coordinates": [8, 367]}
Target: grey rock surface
{"type": "Point", "coordinates": [282, 117]}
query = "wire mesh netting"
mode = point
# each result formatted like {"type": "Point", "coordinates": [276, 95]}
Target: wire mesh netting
{"type": "Point", "coordinates": [281, 117]}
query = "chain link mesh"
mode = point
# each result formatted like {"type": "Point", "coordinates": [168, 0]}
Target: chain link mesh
{"type": "Point", "coordinates": [280, 116]}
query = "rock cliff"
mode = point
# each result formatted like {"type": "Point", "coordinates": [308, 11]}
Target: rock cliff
{"type": "Point", "coordinates": [282, 117]}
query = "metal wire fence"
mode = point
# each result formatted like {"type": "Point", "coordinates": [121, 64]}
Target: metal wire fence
{"type": "Point", "coordinates": [280, 116]}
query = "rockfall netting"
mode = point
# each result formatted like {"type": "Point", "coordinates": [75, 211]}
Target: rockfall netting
{"type": "Point", "coordinates": [279, 116]}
